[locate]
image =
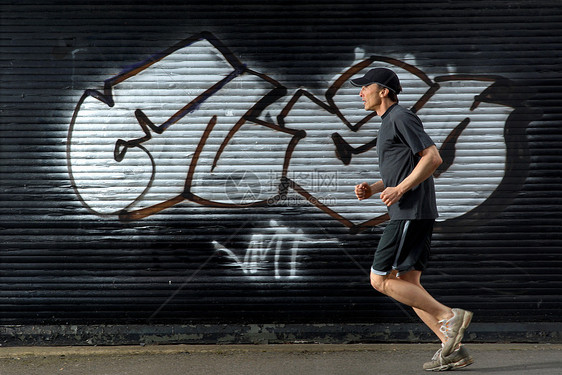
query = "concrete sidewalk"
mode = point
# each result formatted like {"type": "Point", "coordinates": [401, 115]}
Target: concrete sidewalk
{"type": "Point", "coordinates": [305, 359]}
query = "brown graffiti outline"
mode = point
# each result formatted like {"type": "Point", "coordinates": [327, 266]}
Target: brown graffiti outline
{"type": "Point", "coordinates": [343, 150]}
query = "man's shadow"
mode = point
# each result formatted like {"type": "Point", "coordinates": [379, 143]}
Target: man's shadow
{"type": "Point", "coordinates": [527, 368]}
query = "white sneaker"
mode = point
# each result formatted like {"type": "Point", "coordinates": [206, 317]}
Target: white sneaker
{"type": "Point", "coordinates": [458, 359]}
{"type": "Point", "coordinates": [454, 328]}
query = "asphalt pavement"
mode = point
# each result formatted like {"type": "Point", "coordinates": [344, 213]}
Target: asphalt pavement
{"type": "Point", "coordinates": [288, 359]}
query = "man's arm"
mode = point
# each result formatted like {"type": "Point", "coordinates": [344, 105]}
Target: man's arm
{"type": "Point", "coordinates": [429, 162]}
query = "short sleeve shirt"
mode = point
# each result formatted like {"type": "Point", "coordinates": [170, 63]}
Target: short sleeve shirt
{"type": "Point", "coordinates": [400, 139]}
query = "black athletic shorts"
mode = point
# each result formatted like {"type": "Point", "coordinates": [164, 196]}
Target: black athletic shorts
{"type": "Point", "coordinates": [404, 246]}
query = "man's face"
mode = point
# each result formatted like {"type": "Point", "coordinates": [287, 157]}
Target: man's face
{"type": "Point", "coordinates": [371, 97]}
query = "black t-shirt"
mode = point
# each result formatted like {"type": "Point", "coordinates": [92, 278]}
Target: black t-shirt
{"type": "Point", "coordinates": [400, 139]}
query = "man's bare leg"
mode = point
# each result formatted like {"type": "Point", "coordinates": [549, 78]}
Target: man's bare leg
{"type": "Point", "coordinates": [431, 321]}
{"type": "Point", "coordinates": [413, 295]}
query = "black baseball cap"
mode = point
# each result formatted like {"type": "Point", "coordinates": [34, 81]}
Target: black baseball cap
{"type": "Point", "coordinates": [382, 76]}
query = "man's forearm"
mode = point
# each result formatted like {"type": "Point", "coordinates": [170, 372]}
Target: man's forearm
{"type": "Point", "coordinates": [377, 187]}
{"type": "Point", "coordinates": [428, 163]}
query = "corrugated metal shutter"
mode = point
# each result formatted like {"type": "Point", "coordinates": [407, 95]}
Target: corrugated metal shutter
{"type": "Point", "coordinates": [195, 162]}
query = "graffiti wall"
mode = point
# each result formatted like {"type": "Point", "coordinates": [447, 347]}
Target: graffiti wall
{"type": "Point", "coordinates": [195, 162]}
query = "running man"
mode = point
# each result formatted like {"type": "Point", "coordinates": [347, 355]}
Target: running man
{"type": "Point", "coordinates": [407, 159]}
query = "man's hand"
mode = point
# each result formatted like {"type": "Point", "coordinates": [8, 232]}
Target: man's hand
{"type": "Point", "coordinates": [363, 191]}
{"type": "Point", "coordinates": [391, 195]}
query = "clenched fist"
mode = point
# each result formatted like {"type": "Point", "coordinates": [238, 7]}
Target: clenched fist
{"type": "Point", "coordinates": [363, 191]}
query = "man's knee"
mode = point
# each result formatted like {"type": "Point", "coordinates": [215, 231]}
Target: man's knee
{"type": "Point", "coordinates": [379, 282]}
